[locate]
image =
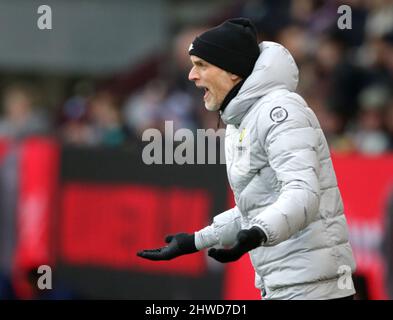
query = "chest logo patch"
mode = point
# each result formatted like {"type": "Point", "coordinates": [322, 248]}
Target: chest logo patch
{"type": "Point", "coordinates": [278, 114]}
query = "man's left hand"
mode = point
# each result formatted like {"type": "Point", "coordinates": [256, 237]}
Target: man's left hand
{"type": "Point", "coordinates": [246, 240]}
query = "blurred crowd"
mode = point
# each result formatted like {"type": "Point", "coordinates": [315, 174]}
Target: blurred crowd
{"type": "Point", "coordinates": [346, 76]}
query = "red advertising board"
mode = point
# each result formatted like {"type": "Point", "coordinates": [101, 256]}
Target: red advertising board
{"type": "Point", "coordinates": [38, 182]}
{"type": "Point", "coordinates": [106, 225]}
{"type": "Point", "coordinates": [365, 183]}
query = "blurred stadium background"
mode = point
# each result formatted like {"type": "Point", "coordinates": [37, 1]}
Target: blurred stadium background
{"type": "Point", "coordinates": [75, 100]}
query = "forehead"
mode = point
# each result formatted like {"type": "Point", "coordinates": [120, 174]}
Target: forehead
{"type": "Point", "coordinates": [195, 59]}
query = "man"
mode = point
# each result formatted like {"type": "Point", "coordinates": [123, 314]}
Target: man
{"type": "Point", "coordinates": [289, 213]}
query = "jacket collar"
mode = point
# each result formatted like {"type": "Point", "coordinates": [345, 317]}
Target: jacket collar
{"type": "Point", "coordinates": [275, 69]}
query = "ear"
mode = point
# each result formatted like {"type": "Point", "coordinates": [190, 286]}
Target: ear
{"type": "Point", "coordinates": [235, 77]}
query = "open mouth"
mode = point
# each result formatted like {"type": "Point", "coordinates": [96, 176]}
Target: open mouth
{"type": "Point", "coordinates": [205, 89]}
{"type": "Point", "coordinates": [206, 92]}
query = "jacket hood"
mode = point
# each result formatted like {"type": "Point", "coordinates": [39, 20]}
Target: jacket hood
{"type": "Point", "coordinates": [274, 69]}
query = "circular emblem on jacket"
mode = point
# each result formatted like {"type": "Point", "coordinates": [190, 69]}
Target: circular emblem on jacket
{"type": "Point", "coordinates": [278, 114]}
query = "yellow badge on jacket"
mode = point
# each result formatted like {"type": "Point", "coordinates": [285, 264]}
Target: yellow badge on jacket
{"type": "Point", "coordinates": [242, 135]}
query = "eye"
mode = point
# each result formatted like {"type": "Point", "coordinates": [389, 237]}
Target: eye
{"type": "Point", "coordinates": [201, 65]}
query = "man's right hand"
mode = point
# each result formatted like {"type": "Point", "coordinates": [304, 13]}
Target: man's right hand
{"type": "Point", "coordinates": [178, 245]}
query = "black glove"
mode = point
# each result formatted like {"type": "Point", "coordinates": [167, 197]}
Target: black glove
{"type": "Point", "coordinates": [178, 245]}
{"type": "Point", "coordinates": [246, 241]}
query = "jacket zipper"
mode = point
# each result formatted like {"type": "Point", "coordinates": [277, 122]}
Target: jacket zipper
{"type": "Point", "coordinates": [230, 166]}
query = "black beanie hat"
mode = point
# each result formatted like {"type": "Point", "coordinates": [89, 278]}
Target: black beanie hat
{"type": "Point", "coordinates": [231, 46]}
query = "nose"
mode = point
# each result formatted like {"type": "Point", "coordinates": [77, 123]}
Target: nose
{"type": "Point", "coordinates": [193, 75]}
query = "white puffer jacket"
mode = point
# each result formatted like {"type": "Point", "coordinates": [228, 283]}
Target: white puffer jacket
{"type": "Point", "coordinates": [281, 173]}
